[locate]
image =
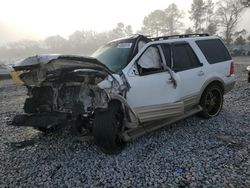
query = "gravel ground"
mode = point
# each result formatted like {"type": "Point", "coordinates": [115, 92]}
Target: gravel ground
{"type": "Point", "coordinates": [194, 153]}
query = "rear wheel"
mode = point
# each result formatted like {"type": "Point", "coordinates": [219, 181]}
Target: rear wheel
{"type": "Point", "coordinates": [211, 101]}
{"type": "Point", "coordinates": [107, 126]}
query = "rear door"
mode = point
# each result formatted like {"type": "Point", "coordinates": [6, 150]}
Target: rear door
{"type": "Point", "coordinates": [191, 72]}
{"type": "Point", "coordinates": [216, 55]}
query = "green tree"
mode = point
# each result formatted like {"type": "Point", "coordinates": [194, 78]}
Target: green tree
{"type": "Point", "coordinates": [240, 41]}
{"type": "Point", "coordinates": [172, 19]}
{"type": "Point", "coordinates": [154, 24]}
{"type": "Point", "coordinates": [242, 32]}
{"type": "Point", "coordinates": [248, 38]}
{"type": "Point", "coordinates": [76, 41]}
{"type": "Point", "coordinates": [56, 43]}
{"type": "Point", "coordinates": [211, 28]}
{"type": "Point", "coordinates": [128, 30]}
{"type": "Point", "coordinates": [245, 3]}
{"type": "Point", "coordinates": [197, 15]}
{"type": "Point", "coordinates": [119, 30]}
{"type": "Point", "coordinates": [202, 14]}
{"type": "Point", "coordinates": [228, 14]}
{"type": "Point", "coordinates": [208, 12]}
{"type": "Point", "coordinates": [21, 49]}
{"type": "Point", "coordinates": [189, 31]}
{"type": "Point", "coordinates": [211, 22]}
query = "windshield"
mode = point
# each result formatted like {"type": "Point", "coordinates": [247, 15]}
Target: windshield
{"type": "Point", "coordinates": [114, 55]}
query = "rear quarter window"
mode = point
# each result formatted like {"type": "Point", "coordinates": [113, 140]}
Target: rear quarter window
{"type": "Point", "coordinates": [214, 50]}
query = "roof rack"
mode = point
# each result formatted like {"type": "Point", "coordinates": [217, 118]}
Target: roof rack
{"type": "Point", "coordinates": [179, 36]}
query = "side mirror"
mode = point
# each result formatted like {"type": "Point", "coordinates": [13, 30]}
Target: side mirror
{"type": "Point", "coordinates": [172, 78]}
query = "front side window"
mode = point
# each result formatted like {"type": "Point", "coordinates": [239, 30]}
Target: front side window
{"type": "Point", "coordinates": [150, 61]}
{"type": "Point", "coordinates": [184, 58]}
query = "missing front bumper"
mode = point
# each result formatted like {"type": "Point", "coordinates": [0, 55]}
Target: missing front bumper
{"type": "Point", "coordinates": [41, 120]}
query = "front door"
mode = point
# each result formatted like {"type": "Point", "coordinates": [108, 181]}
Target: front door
{"type": "Point", "coordinates": [152, 93]}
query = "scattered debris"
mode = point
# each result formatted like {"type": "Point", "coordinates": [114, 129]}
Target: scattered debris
{"type": "Point", "coordinates": [22, 144]}
{"type": "Point", "coordinates": [180, 170]}
{"type": "Point", "coordinates": [229, 140]}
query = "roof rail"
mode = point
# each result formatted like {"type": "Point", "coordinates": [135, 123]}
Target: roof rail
{"type": "Point", "coordinates": [179, 36]}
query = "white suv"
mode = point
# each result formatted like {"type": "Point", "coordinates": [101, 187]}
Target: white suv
{"type": "Point", "coordinates": [129, 87]}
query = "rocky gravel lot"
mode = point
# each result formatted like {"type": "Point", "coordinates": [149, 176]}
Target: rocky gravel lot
{"type": "Point", "coordinates": [193, 153]}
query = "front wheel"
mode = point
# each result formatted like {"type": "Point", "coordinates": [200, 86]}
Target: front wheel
{"type": "Point", "coordinates": [211, 101]}
{"type": "Point", "coordinates": [107, 126]}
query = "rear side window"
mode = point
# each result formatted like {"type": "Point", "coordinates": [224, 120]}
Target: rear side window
{"type": "Point", "coordinates": [214, 50]}
{"type": "Point", "coordinates": [184, 58]}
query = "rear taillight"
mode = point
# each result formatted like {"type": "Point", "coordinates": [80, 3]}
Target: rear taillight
{"type": "Point", "coordinates": [232, 68]}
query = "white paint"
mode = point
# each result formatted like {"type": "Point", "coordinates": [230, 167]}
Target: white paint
{"type": "Point", "coordinates": [156, 89]}
{"type": "Point", "coordinates": [152, 89]}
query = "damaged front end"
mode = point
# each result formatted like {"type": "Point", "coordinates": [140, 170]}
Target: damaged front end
{"type": "Point", "coordinates": [65, 89]}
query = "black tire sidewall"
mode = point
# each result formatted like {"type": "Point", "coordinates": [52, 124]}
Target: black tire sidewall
{"type": "Point", "coordinates": [204, 113]}
{"type": "Point", "coordinates": [106, 132]}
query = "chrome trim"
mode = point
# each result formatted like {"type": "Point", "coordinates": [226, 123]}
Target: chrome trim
{"type": "Point", "coordinates": [191, 100]}
{"type": "Point", "coordinates": [151, 126]}
{"type": "Point", "coordinates": [155, 112]}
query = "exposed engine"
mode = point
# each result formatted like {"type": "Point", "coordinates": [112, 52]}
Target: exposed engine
{"type": "Point", "coordinates": [66, 88]}
{"type": "Point", "coordinates": [66, 96]}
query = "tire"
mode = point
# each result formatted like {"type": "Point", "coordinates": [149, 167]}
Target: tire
{"type": "Point", "coordinates": [107, 126]}
{"type": "Point", "coordinates": [211, 101]}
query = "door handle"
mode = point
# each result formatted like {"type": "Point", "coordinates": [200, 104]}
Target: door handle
{"type": "Point", "coordinates": [201, 73]}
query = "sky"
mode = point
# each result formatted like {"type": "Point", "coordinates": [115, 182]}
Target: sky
{"type": "Point", "coordinates": [38, 19]}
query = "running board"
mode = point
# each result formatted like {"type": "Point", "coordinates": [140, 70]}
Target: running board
{"type": "Point", "coordinates": [151, 126]}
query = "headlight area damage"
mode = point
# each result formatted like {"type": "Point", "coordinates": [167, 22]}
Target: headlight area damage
{"type": "Point", "coordinates": [73, 89]}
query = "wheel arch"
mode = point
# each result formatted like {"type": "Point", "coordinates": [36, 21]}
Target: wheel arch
{"type": "Point", "coordinates": [214, 81]}
{"type": "Point", "coordinates": [131, 113]}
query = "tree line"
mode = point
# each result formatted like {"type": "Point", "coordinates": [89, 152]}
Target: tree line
{"type": "Point", "coordinates": [80, 42]}
{"type": "Point", "coordinates": [206, 16]}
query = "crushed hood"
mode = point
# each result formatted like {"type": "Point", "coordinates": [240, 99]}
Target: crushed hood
{"type": "Point", "coordinates": [33, 62]}
{"type": "Point", "coordinates": [37, 69]}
